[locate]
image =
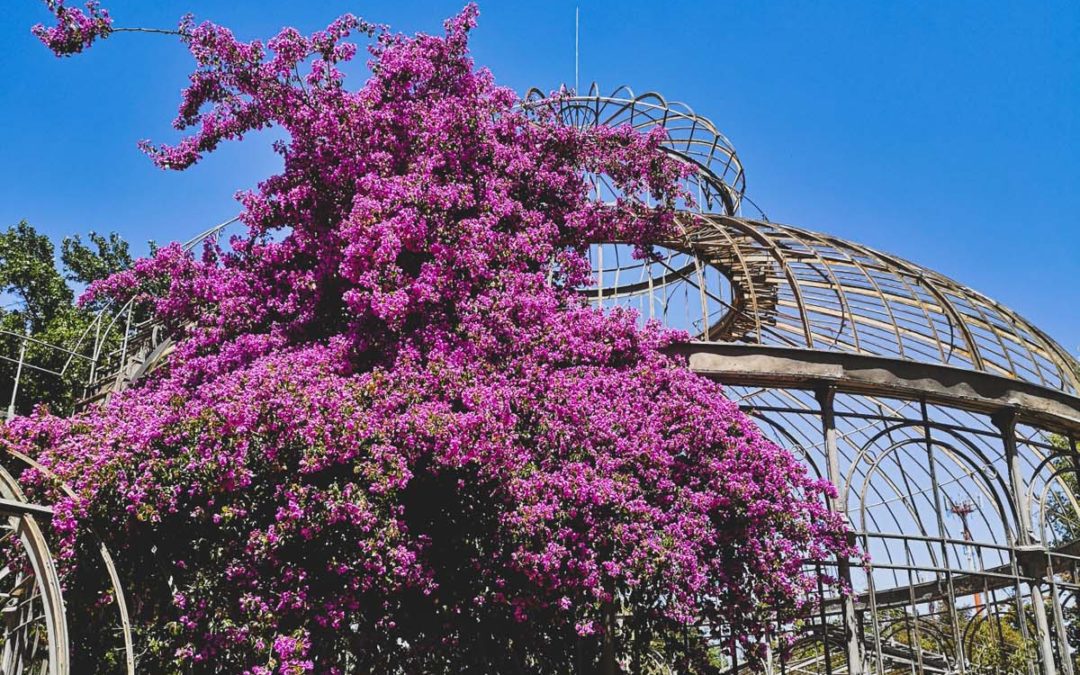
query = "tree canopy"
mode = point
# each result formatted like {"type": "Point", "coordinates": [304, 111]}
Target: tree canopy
{"type": "Point", "coordinates": [39, 303]}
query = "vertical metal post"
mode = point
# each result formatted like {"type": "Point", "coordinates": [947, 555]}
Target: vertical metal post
{"type": "Point", "coordinates": [18, 376]}
{"type": "Point", "coordinates": [1042, 626]}
{"type": "Point", "coordinates": [939, 512]}
{"type": "Point", "coordinates": [97, 355]}
{"type": "Point", "coordinates": [852, 644]}
{"type": "Point", "coordinates": [1055, 594]}
{"type": "Point", "coordinates": [124, 343]}
{"type": "Point", "coordinates": [913, 630]}
{"type": "Point", "coordinates": [1059, 625]}
{"type": "Point", "coordinates": [608, 665]}
{"type": "Point", "coordinates": [824, 623]}
{"type": "Point", "coordinates": [1005, 421]}
{"type": "Point", "coordinates": [704, 300]}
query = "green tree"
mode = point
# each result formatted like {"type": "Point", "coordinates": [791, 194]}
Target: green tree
{"type": "Point", "coordinates": [38, 294]}
{"type": "Point", "coordinates": [84, 265]}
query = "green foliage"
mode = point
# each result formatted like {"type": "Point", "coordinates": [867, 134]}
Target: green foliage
{"type": "Point", "coordinates": [85, 265]}
{"type": "Point", "coordinates": [39, 302]}
{"type": "Point", "coordinates": [28, 272]}
{"type": "Point", "coordinates": [1062, 517]}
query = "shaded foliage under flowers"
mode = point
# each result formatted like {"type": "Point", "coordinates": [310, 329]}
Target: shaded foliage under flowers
{"type": "Point", "coordinates": [392, 437]}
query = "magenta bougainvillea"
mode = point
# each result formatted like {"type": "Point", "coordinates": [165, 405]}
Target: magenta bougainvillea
{"type": "Point", "coordinates": [75, 29]}
{"type": "Point", "coordinates": [392, 437]}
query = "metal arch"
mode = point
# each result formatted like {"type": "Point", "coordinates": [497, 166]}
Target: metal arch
{"type": "Point", "coordinates": [981, 310]}
{"type": "Point", "coordinates": [759, 309]}
{"type": "Point", "coordinates": [1072, 371]}
{"type": "Point", "coordinates": [687, 129]}
{"type": "Point", "coordinates": [932, 320]}
{"type": "Point", "coordinates": [820, 268]}
{"type": "Point", "coordinates": [732, 242]}
{"type": "Point", "coordinates": [948, 308]}
{"type": "Point", "coordinates": [1052, 349]}
{"type": "Point", "coordinates": [108, 348]}
{"type": "Point", "coordinates": [843, 488]}
{"type": "Point", "coordinates": [701, 144]}
{"type": "Point", "coordinates": [1037, 406]}
{"type": "Point", "coordinates": [929, 542]}
{"type": "Point", "coordinates": [912, 299]}
{"type": "Point", "coordinates": [741, 291]}
{"type": "Point", "coordinates": [957, 318]}
{"type": "Point", "coordinates": [782, 261]}
{"type": "Point", "coordinates": [116, 351]}
{"type": "Point", "coordinates": [1057, 474]}
{"type": "Point", "coordinates": [846, 316]}
{"type": "Point", "coordinates": [779, 428]}
{"type": "Point", "coordinates": [1008, 512]}
{"type": "Point", "coordinates": [944, 565]}
{"type": "Point", "coordinates": [941, 284]}
{"type": "Point", "coordinates": [934, 631]}
{"type": "Point", "coordinates": [1002, 512]}
{"type": "Point", "coordinates": [718, 238]}
{"type": "Point", "coordinates": [908, 503]}
{"type": "Point", "coordinates": [46, 587]}
{"type": "Point", "coordinates": [106, 558]}
{"type": "Point", "coordinates": [873, 282]}
{"type": "Point", "coordinates": [870, 253]}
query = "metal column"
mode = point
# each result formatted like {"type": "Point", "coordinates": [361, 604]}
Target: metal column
{"type": "Point", "coordinates": [1005, 421]}
{"type": "Point", "coordinates": [853, 645]}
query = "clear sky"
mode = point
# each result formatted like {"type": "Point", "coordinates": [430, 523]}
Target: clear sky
{"type": "Point", "coordinates": [946, 133]}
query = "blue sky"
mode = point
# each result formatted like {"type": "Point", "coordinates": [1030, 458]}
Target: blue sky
{"type": "Point", "coordinates": [946, 133]}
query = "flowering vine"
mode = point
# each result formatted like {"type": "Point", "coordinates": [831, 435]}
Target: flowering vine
{"type": "Point", "coordinates": [392, 437]}
{"type": "Point", "coordinates": [75, 29]}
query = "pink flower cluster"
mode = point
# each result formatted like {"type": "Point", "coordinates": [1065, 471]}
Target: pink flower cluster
{"type": "Point", "coordinates": [75, 29]}
{"type": "Point", "coordinates": [392, 436]}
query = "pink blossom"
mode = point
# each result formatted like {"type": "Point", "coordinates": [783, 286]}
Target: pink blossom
{"type": "Point", "coordinates": [75, 29]}
{"type": "Point", "coordinates": [392, 433]}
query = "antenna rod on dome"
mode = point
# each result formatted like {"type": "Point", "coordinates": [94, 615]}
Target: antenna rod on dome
{"type": "Point", "coordinates": [577, 51]}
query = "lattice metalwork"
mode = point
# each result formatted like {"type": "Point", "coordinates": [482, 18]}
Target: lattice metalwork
{"type": "Point", "coordinates": [118, 346]}
{"type": "Point", "coordinates": [718, 183]}
{"type": "Point", "coordinates": [801, 289]}
{"type": "Point", "coordinates": [947, 422]}
{"type": "Point", "coordinates": [34, 635]}
{"type": "Point", "coordinates": [32, 618]}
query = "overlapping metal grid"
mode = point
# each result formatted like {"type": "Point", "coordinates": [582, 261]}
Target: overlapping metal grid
{"type": "Point", "coordinates": [798, 288]}
{"type": "Point", "coordinates": [789, 286]}
{"type": "Point", "coordinates": [968, 518]}
{"type": "Point", "coordinates": [718, 183]}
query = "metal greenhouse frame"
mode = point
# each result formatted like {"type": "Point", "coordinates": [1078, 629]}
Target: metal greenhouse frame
{"type": "Point", "coordinates": [947, 422]}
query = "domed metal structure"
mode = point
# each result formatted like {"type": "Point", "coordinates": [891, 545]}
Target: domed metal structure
{"type": "Point", "coordinates": [947, 422]}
